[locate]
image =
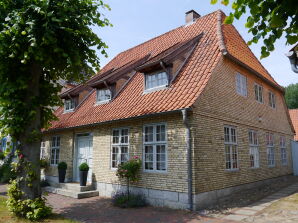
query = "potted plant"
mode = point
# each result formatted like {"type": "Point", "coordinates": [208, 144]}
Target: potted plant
{"type": "Point", "coordinates": [62, 166]}
{"type": "Point", "coordinates": [84, 168]}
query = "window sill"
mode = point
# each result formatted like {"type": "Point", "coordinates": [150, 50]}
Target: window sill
{"type": "Point", "coordinates": [155, 171]}
{"type": "Point", "coordinates": [232, 170]}
{"type": "Point", "coordinates": [102, 102]}
{"type": "Point", "coordinates": [147, 91]}
{"type": "Point", "coordinates": [68, 111]}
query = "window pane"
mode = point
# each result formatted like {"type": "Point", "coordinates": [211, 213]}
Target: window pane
{"type": "Point", "coordinates": [149, 157]}
{"type": "Point", "coordinates": [160, 133]}
{"type": "Point", "coordinates": [228, 157]}
{"type": "Point", "coordinates": [149, 134]}
{"type": "Point", "coordinates": [124, 136]}
{"type": "Point", "coordinates": [156, 80]}
{"type": "Point", "coordinates": [227, 134]}
{"type": "Point", "coordinates": [115, 136]}
{"type": "Point", "coordinates": [104, 95]}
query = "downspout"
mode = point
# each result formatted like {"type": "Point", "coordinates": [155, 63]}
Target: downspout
{"type": "Point", "coordinates": [189, 158]}
{"type": "Point", "coordinates": [293, 60]}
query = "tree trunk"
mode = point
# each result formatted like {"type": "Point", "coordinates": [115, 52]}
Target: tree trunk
{"type": "Point", "coordinates": [30, 149]}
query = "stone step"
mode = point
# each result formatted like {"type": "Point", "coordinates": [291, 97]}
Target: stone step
{"type": "Point", "coordinates": [73, 187]}
{"type": "Point", "coordinates": [71, 193]}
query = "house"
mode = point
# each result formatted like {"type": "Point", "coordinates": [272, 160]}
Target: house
{"type": "Point", "coordinates": [294, 118]}
{"type": "Point", "coordinates": [195, 104]}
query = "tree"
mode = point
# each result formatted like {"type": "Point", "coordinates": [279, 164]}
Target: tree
{"type": "Point", "coordinates": [268, 20]}
{"type": "Point", "coordinates": [42, 41]}
{"type": "Point", "coordinates": [291, 96]}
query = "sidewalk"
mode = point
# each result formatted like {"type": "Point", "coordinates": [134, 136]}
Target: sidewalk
{"type": "Point", "coordinates": [240, 214]}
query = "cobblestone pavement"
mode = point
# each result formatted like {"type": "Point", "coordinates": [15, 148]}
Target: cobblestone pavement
{"type": "Point", "coordinates": [249, 213]}
{"type": "Point", "coordinates": [98, 209]}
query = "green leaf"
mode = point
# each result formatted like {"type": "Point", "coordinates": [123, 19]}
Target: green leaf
{"type": "Point", "coordinates": [225, 2]}
{"type": "Point", "coordinates": [213, 2]}
{"type": "Point", "coordinates": [229, 19]}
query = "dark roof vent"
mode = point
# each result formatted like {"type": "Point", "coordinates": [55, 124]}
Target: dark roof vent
{"type": "Point", "coordinates": [191, 16]}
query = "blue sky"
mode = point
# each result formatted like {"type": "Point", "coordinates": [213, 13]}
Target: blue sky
{"type": "Point", "coordinates": [135, 21]}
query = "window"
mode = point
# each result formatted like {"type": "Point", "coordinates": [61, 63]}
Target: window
{"type": "Point", "coordinates": [120, 144]}
{"type": "Point", "coordinates": [241, 84]}
{"type": "Point", "coordinates": [103, 95]}
{"type": "Point", "coordinates": [55, 150]}
{"type": "Point", "coordinates": [254, 149]}
{"type": "Point", "coordinates": [259, 93]}
{"type": "Point", "coordinates": [270, 149]}
{"type": "Point", "coordinates": [271, 100]}
{"type": "Point", "coordinates": [231, 151]}
{"type": "Point", "coordinates": [42, 150]}
{"type": "Point", "coordinates": [155, 147]}
{"type": "Point", "coordinates": [69, 105]}
{"type": "Point", "coordinates": [283, 151]}
{"type": "Point", "coordinates": [156, 80]}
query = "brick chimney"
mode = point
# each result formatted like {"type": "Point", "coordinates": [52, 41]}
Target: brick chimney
{"type": "Point", "coordinates": [191, 16]}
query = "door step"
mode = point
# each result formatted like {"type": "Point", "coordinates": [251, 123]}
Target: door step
{"type": "Point", "coordinates": [72, 190]}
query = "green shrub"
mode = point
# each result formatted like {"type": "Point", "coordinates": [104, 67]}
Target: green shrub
{"type": "Point", "coordinates": [31, 209]}
{"type": "Point", "coordinates": [6, 173]}
{"type": "Point", "coordinates": [2, 156]}
{"type": "Point", "coordinates": [131, 201]}
{"type": "Point", "coordinates": [44, 164]}
{"type": "Point", "coordinates": [62, 166]}
{"type": "Point", "coordinates": [84, 167]}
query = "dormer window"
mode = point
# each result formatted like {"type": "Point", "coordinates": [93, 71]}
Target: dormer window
{"type": "Point", "coordinates": [156, 80]}
{"type": "Point", "coordinates": [69, 105]}
{"type": "Point", "coordinates": [103, 95]}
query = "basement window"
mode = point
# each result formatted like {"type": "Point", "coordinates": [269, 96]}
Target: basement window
{"type": "Point", "coordinates": [103, 96]}
{"type": "Point", "coordinates": [155, 81]}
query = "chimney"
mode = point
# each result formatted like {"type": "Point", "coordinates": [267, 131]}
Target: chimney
{"type": "Point", "coordinates": [191, 16]}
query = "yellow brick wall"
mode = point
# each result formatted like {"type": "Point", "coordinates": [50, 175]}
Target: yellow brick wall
{"type": "Point", "coordinates": [175, 179]}
{"type": "Point", "coordinates": [220, 105]}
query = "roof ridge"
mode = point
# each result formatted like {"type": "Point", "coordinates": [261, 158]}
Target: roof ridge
{"type": "Point", "coordinates": [222, 46]}
{"type": "Point", "coordinates": [167, 32]}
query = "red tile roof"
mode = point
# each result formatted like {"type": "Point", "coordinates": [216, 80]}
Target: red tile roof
{"type": "Point", "coordinates": [294, 118]}
{"type": "Point", "coordinates": [188, 85]}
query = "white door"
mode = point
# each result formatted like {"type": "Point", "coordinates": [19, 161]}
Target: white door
{"type": "Point", "coordinates": [84, 155]}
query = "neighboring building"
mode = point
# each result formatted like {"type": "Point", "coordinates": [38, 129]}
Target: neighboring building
{"type": "Point", "coordinates": [294, 118]}
{"type": "Point", "coordinates": [194, 103]}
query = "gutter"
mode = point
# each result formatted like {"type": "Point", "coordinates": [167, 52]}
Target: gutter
{"type": "Point", "coordinates": [110, 121]}
{"type": "Point", "coordinates": [293, 60]}
{"type": "Point", "coordinates": [189, 158]}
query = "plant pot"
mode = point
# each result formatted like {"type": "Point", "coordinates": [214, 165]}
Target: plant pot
{"type": "Point", "coordinates": [83, 178]}
{"type": "Point", "coordinates": [62, 174]}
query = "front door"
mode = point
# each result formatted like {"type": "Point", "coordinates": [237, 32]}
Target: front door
{"type": "Point", "coordinates": [84, 150]}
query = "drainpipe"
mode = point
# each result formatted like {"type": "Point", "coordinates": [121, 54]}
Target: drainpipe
{"type": "Point", "coordinates": [293, 60]}
{"type": "Point", "coordinates": [189, 158]}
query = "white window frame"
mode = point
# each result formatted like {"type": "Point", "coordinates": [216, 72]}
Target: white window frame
{"type": "Point", "coordinates": [270, 149]}
{"type": "Point", "coordinates": [254, 153]}
{"type": "Point", "coordinates": [272, 99]}
{"type": "Point", "coordinates": [241, 84]}
{"type": "Point", "coordinates": [155, 143]}
{"type": "Point", "coordinates": [259, 96]}
{"type": "Point", "coordinates": [69, 105]}
{"type": "Point", "coordinates": [55, 148]}
{"type": "Point", "coordinates": [155, 76]}
{"type": "Point", "coordinates": [119, 146]}
{"type": "Point", "coordinates": [230, 143]}
{"type": "Point", "coordinates": [283, 151]}
{"type": "Point", "coordinates": [42, 150]}
{"type": "Point", "coordinates": [105, 90]}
